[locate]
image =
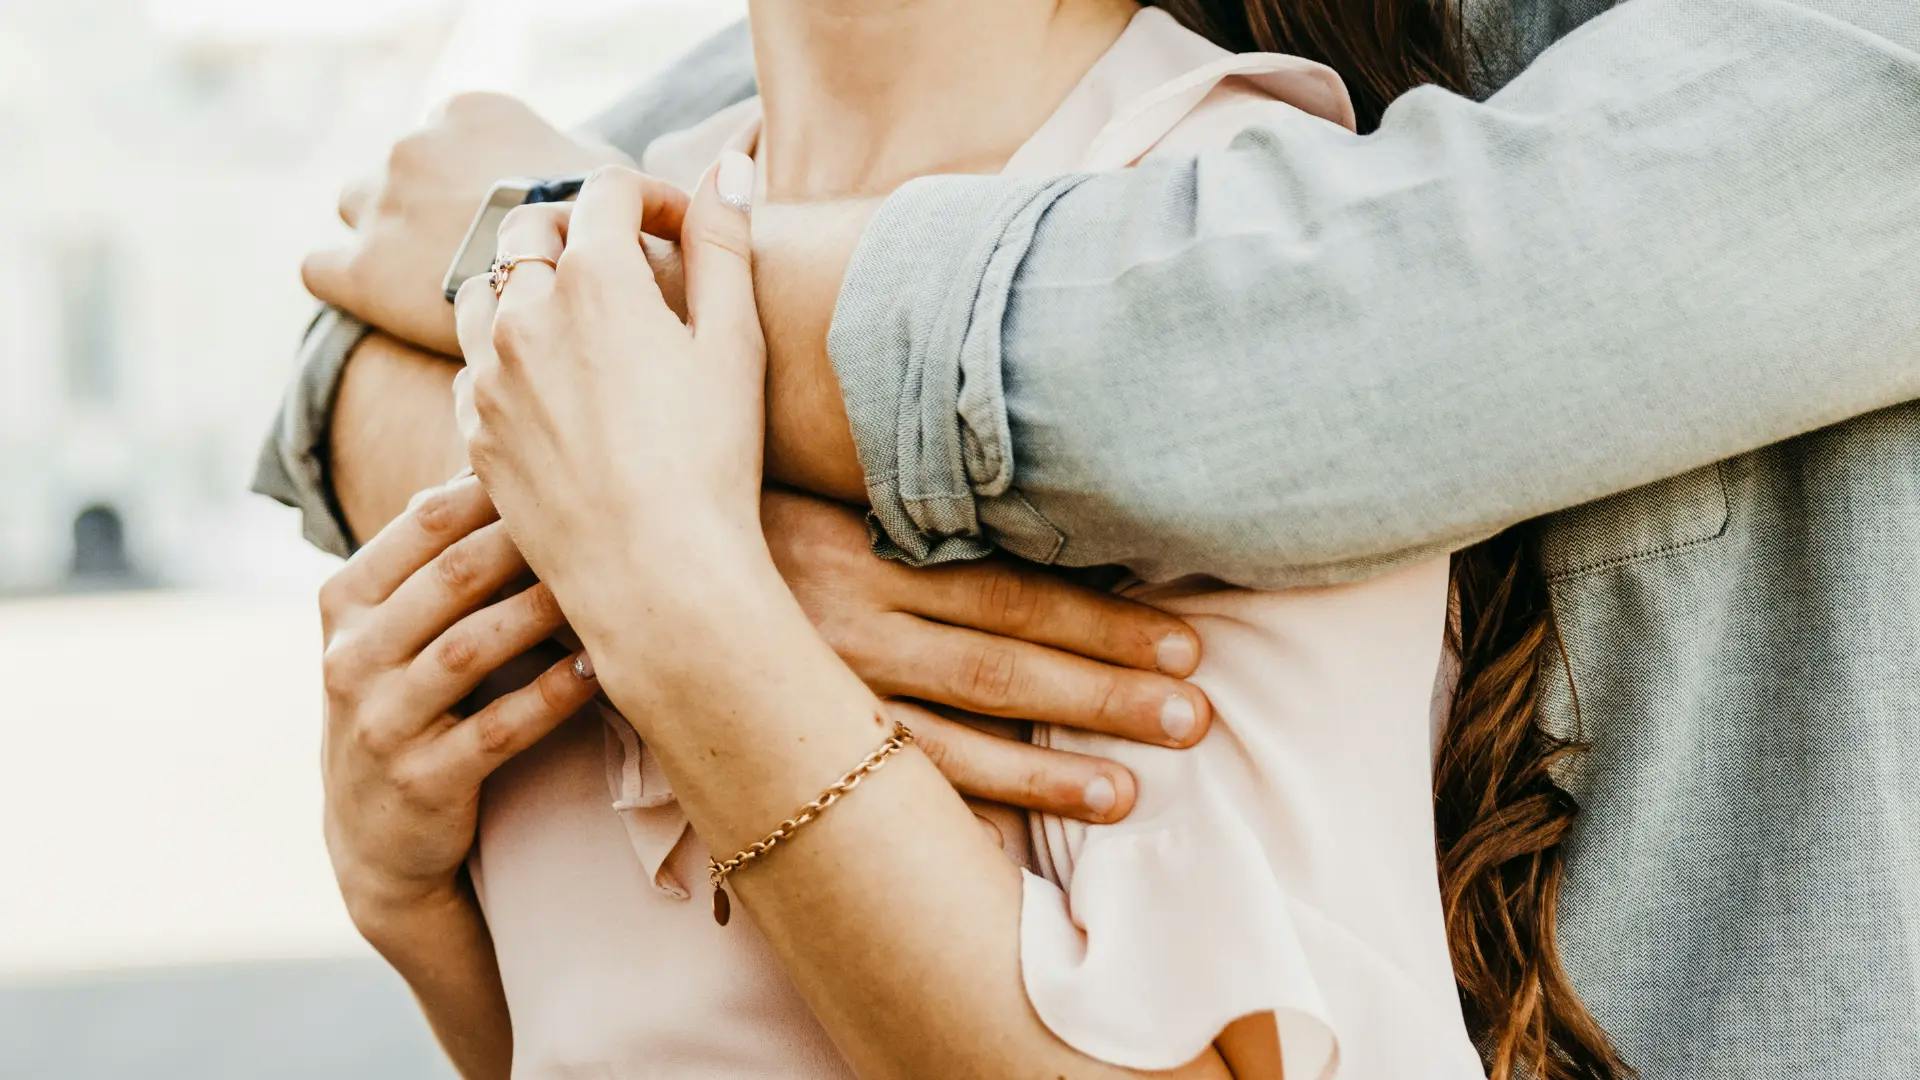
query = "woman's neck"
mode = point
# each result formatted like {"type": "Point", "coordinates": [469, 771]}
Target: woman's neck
{"type": "Point", "coordinates": [861, 95]}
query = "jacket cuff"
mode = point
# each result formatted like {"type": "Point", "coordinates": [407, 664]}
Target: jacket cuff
{"type": "Point", "coordinates": [916, 343]}
{"type": "Point", "coordinates": [293, 466]}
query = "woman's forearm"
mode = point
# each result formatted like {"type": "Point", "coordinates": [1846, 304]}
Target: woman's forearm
{"type": "Point", "coordinates": [893, 889]}
{"type": "Point", "coordinates": [392, 431]}
{"type": "Point", "coordinates": [441, 947]}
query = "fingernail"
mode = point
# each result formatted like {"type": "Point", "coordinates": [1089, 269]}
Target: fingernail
{"type": "Point", "coordinates": [1100, 795]}
{"type": "Point", "coordinates": [1177, 654]}
{"type": "Point", "coordinates": [1178, 718]}
{"type": "Point", "coordinates": [583, 667]}
{"type": "Point", "coordinates": [733, 180]}
{"type": "Point", "coordinates": [465, 471]}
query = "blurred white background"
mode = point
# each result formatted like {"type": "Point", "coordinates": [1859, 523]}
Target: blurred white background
{"type": "Point", "coordinates": [165, 903]}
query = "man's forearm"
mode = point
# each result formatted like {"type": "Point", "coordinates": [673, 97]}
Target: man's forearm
{"type": "Point", "coordinates": [1685, 232]}
{"type": "Point", "coordinates": [393, 432]}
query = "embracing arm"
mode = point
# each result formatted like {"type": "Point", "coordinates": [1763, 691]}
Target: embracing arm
{"type": "Point", "coordinates": [1686, 231]}
{"type": "Point", "coordinates": [299, 465]}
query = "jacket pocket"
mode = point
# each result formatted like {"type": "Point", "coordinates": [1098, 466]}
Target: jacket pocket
{"type": "Point", "coordinates": [1647, 522]}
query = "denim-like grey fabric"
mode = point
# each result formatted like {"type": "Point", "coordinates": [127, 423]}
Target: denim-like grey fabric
{"type": "Point", "coordinates": [1670, 267]}
{"type": "Point", "coordinates": [293, 460]}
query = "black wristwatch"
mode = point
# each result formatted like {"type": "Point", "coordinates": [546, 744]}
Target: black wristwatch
{"type": "Point", "coordinates": [476, 252]}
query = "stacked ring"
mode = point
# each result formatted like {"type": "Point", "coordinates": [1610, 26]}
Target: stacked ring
{"type": "Point", "coordinates": [502, 269]}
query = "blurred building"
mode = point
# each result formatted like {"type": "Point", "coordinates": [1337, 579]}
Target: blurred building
{"type": "Point", "coordinates": [164, 165]}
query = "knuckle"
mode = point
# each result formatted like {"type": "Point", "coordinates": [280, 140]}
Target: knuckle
{"type": "Point", "coordinates": [408, 152]}
{"type": "Point", "coordinates": [988, 674]}
{"type": "Point", "coordinates": [456, 653]}
{"type": "Point", "coordinates": [554, 693]}
{"type": "Point", "coordinates": [341, 667]}
{"type": "Point", "coordinates": [436, 515]}
{"type": "Point", "coordinates": [456, 568]}
{"type": "Point", "coordinates": [414, 784]}
{"type": "Point", "coordinates": [335, 598]}
{"type": "Point", "coordinates": [514, 334]}
{"type": "Point", "coordinates": [493, 732]}
{"type": "Point", "coordinates": [469, 104]}
{"type": "Point", "coordinates": [487, 394]}
{"type": "Point", "coordinates": [736, 242]}
{"type": "Point", "coordinates": [372, 738]}
{"type": "Point", "coordinates": [1037, 788]}
{"type": "Point", "coordinates": [936, 747]}
{"type": "Point", "coordinates": [543, 608]}
{"type": "Point", "coordinates": [519, 217]}
{"type": "Point", "coordinates": [612, 175]}
{"type": "Point", "coordinates": [1008, 597]}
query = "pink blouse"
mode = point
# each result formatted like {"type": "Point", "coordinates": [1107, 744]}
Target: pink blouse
{"type": "Point", "coordinates": [1286, 864]}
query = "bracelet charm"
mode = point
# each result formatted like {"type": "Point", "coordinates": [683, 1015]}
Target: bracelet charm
{"type": "Point", "coordinates": [718, 869]}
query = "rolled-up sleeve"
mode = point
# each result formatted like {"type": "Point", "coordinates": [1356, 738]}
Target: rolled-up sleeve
{"type": "Point", "coordinates": [921, 371]}
{"type": "Point", "coordinates": [293, 460]}
{"type": "Point", "coordinates": [1313, 356]}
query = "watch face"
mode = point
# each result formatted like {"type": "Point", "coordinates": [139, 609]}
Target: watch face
{"type": "Point", "coordinates": [483, 236]}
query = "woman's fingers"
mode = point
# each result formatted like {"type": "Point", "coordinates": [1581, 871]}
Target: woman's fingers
{"type": "Point", "coordinates": [476, 746]}
{"type": "Point", "coordinates": [457, 661]}
{"type": "Point", "coordinates": [614, 208]}
{"type": "Point", "coordinates": [537, 231]}
{"type": "Point", "coordinates": [999, 676]}
{"type": "Point", "coordinates": [473, 308]}
{"type": "Point", "coordinates": [1025, 602]}
{"type": "Point", "coordinates": [453, 583]}
{"type": "Point", "coordinates": [1010, 770]}
{"type": "Point", "coordinates": [717, 245]}
{"type": "Point", "coordinates": [435, 519]}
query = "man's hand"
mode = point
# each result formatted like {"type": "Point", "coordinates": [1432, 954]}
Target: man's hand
{"type": "Point", "coordinates": [409, 217]}
{"type": "Point", "coordinates": [996, 638]}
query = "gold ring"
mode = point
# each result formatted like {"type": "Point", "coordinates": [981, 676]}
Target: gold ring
{"type": "Point", "coordinates": [502, 269]}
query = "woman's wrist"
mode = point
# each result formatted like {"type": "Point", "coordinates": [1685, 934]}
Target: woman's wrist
{"type": "Point", "coordinates": [671, 594]}
{"type": "Point", "coordinates": [387, 911]}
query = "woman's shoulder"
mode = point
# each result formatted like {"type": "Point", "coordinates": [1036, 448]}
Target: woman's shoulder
{"type": "Point", "coordinates": [1194, 94]}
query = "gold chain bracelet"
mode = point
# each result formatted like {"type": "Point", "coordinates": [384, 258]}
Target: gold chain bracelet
{"type": "Point", "coordinates": [717, 869]}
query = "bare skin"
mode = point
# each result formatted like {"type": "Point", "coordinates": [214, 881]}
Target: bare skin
{"type": "Point", "coordinates": [997, 639]}
{"type": "Point", "coordinates": [846, 905]}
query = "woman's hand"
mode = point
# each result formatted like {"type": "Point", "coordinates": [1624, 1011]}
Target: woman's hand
{"type": "Point", "coordinates": [411, 629]}
{"type": "Point", "coordinates": [575, 399]}
{"type": "Point", "coordinates": [410, 216]}
{"type": "Point", "coordinates": [598, 418]}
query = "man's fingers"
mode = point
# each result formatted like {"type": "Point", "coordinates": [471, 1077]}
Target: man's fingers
{"type": "Point", "coordinates": [355, 198]}
{"type": "Point", "coordinates": [1013, 771]}
{"type": "Point", "coordinates": [717, 244]}
{"type": "Point", "coordinates": [478, 745]}
{"type": "Point", "coordinates": [476, 646]}
{"type": "Point", "coordinates": [433, 521]}
{"type": "Point", "coordinates": [999, 676]}
{"type": "Point", "coordinates": [1024, 602]}
{"type": "Point", "coordinates": [450, 586]}
{"type": "Point", "coordinates": [327, 274]}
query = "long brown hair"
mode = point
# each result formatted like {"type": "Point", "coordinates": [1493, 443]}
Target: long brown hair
{"type": "Point", "coordinates": [1500, 816]}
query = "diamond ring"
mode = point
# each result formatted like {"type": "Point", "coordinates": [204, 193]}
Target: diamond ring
{"type": "Point", "coordinates": [502, 269]}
